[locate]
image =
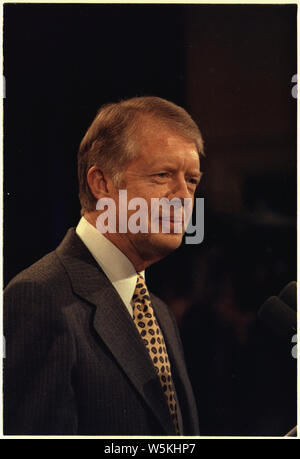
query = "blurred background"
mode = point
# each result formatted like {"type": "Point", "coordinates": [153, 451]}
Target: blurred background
{"type": "Point", "coordinates": [231, 67]}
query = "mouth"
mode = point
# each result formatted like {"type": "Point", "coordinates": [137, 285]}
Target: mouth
{"type": "Point", "coordinates": [174, 226]}
{"type": "Point", "coordinates": [171, 220]}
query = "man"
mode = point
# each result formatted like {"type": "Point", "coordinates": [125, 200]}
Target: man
{"type": "Point", "coordinates": [88, 350]}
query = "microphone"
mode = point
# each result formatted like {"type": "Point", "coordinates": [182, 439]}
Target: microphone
{"type": "Point", "coordinates": [277, 316]}
{"type": "Point", "coordinates": [289, 295]}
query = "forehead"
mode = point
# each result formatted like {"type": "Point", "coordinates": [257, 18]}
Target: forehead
{"type": "Point", "coordinates": [158, 141]}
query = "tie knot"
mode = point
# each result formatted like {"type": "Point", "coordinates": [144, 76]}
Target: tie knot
{"type": "Point", "coordinates": [140, 279]}
{"type": "Point", "coordinates": [141, 292]}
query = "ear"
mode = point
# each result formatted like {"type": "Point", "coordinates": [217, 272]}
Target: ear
{"type": "Point", "coordinates": [97, 182]}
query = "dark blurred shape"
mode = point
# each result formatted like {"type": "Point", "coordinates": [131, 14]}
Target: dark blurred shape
{"type": "Point", "coordinates": [280, 318]}
{"type": "Point", "coordinates": [245, 380]}
{"type": "Point", "coordinates": [289, 295]}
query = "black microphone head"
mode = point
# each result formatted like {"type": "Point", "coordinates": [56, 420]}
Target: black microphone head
{"type": "Point", "coordinates": [289, 295]}
{"type": "Point", "coordinates": [279, 318]}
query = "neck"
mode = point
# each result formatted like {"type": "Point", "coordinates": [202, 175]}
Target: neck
{"type": "Point", "coordinates": [120, 240]}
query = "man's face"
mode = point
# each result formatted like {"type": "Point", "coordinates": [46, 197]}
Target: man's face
{"type": "Point", "coordinates": [167, 166]}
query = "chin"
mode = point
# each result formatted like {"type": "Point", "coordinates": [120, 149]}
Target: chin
{"type": "Point", "coordinates": [166, 243]}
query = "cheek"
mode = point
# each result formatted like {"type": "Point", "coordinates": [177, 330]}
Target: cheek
{"type": "Point", "coordinates": [147, 191]}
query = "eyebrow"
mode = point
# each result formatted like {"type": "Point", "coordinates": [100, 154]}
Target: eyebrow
{"type": "Point", "coordinates": [196, 173]}
{"type": "Point", "coordinates": [170, 167]}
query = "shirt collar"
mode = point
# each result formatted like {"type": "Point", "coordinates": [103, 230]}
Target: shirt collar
{"type": "Point", "coordinates": [115, 264]}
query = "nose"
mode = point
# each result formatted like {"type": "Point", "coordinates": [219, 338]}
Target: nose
{"type": "Point", "coordinates": [180, 189]}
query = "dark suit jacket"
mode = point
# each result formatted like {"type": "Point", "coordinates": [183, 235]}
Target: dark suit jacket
{"type": "Point", "coordinates": [75, 363]}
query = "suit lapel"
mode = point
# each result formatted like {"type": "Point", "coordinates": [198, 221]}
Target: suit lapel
{"type": "Point", "coordinates": [187, 404]}
{"type": "Point", "coordinates": [114, 325]}
{"type": "Point", "coordinates": [171, 342]}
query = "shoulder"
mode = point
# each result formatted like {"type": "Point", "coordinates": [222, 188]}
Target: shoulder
{"type": "Point", "coordinates": [43, 274]}
{"type": "Point", "coordinates": [35, 312]}
{"type": "Point", "coordinates": [46, 274]}
{"type": "Point", "coordinates": [39, 290]}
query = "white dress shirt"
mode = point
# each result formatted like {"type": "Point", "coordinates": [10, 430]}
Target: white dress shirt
{"type": "Point", "coordinates": [117, 267]}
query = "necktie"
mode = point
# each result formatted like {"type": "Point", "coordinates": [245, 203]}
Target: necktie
{"type": "Point", "coordinates": [148, 327]}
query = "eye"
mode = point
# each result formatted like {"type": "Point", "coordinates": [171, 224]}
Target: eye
{"type": "Point", "coordinates": [162, 174]}
{"type": "Point", "coordinates": [193, 181]}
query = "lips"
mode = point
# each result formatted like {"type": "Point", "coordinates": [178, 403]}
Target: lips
{"type": "Point", "coordinates": [171, 220]}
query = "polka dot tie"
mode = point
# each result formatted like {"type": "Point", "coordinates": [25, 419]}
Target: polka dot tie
{"type": "Point", "coordinates": [147, 325]}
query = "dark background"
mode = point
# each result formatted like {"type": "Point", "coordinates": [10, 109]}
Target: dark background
{"type": "Point", "coordinates": [231, 67]}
